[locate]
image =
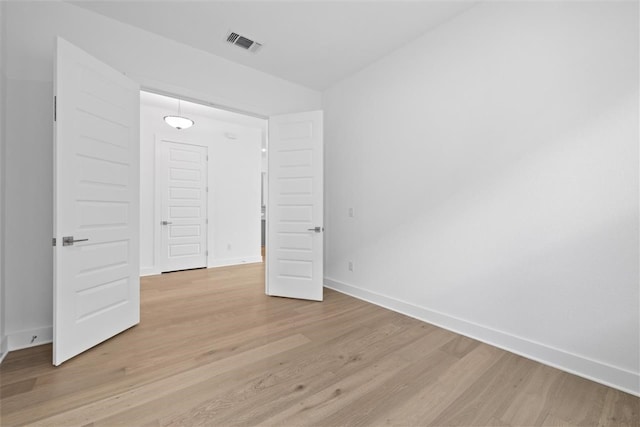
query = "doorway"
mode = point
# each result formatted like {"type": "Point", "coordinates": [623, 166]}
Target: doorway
{"type": "Point", "coordinates": [230, 220]}
{"type": "Point", "coordinates": [297, 141]}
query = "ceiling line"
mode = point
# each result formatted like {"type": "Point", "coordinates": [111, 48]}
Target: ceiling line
{"type": "Point", "coordinates": [201, 102]}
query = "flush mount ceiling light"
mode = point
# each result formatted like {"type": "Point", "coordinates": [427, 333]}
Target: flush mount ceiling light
{"type": "Point", "coordinates": [179, 122]}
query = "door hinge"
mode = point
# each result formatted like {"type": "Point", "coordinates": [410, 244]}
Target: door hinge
{"type": "Point", "coordinates": [207, 157]}
{"type": "Point", "coordinates": [206, 253]}
{"type": "Point", "coordinates": [207, 189]}
{"type": "Point", "coordinates": [206, 221]}
{"type": "Point", "coordinates": [53, 241]}
{"type": "Point", "coordinates": [55, 108]}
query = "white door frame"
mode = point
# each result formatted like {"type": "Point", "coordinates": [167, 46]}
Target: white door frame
{"type": "Point", "coordinates": [156, 232]}
{"type": "Point", "coordinates": [188, 98]}
{"type": "Point", "coordinates": [157, 202]}
{"type": "Point", "coordinates": [177, 95]}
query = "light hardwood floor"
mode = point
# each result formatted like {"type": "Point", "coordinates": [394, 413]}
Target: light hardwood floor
{"type": "Point", "coordinates": [213, 350]}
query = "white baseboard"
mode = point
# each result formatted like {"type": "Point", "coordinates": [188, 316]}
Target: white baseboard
{"type": "Point", "coordinates": [25, 339]}
{"type": "Point", "coordinates": [612, 376]}
{"type": "Point", "coordinates": [4, 349]}
{"type": "Point", "coordinates": [224, 262]}
{"type": "Point", "coordinates": [216, 262]}
{"type": "Point", "coordinates": [149, 271]}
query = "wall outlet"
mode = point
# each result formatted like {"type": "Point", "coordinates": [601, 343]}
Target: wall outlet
{"type": "Point", "coordinates": [350, 212]}
{"type": "Point", "coordinates": [228, 246]}
{"type": "Point", "coordinates": [350, 266]}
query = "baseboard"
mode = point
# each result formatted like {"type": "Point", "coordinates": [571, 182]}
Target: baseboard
{"type": "Point", "coordinates": [4, 349]}
{"type": "Point", "coordinates": [217, 262]}
{"type": "Point", "coordinates": [612, 376]}
{"type": "Point", "coordinates": [30, 338]}
{"type": "Point", "coordinates": [225, 262]}
{"type": "Point", "coordinates": [149, 271]}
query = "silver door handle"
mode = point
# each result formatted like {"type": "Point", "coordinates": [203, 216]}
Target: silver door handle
{"type": "Point", "coordinates": [166, 222]}
{"type": "Point", "coordinates": [69, 240]}
{"type": "Point", "coordinates": [316, 229]}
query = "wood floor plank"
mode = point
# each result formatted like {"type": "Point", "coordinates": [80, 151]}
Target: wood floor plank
{"type": "Point", "coordinates": [460, 346]}
{"type": "Point", "coordinates": [259, 402]}
{"type": "Point", "coordinates": [213, 350]}
{"type": "Point", "coordinates": [408, 379]}
{"type": "Point", "coordinates": [140, 395]}
{"type": "Point", "coordinates": [207, 404]}
{"type": "Point", "coordinates": [531, 404]}
{"type": "Point", "coordinates": [577, 400]}
{"type": "Point", "coordinates": [13, 389]}
{"type": "Point", "coordinates": [428, 403]}
{"type": "Point", "coordinates": [318, 408]}
{"type": "Point", "coordinates": [490, 395]}
{"type": "Point", "coordinates": [619, 409]}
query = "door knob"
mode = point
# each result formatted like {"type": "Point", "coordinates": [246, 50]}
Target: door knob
{"type": "Point", "coordinates": [166, 222]}
{"type": "Point", "coordinates": [69, 240]}
{"type": "Point", "coordinates": [316, 229]}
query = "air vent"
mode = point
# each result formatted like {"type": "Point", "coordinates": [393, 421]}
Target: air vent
{"type": "Point", "coordinates": [243, 42]}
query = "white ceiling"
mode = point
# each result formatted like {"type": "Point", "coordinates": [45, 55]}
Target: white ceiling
{"type": "Point", "coordinates": [313, 43]}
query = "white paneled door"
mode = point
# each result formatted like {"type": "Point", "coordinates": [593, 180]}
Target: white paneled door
{"type": "Point", "coordinates": [183, 205]}
{"type": "Point", "coordinates": [96, 287]}
{"type": "Point", "coordinates": [295, 207]}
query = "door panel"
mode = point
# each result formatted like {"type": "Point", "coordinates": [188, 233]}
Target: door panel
{"type": "Point", "coordinates": [96, 198]}
{"type": "Point", "coordinates": [295, 207]}
{"type": "Point", "coordinates": [183, 205]}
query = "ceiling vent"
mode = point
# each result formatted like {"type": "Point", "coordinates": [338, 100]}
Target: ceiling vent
{"type": "Point", "coordinates": [243, 42]}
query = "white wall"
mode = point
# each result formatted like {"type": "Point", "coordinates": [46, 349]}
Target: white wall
{"type": "Point", "coordinates": [492, 165]}
{"type": "Point", "coordinates": [3, 82]}
{"type": "Point", "coordinates": [234, 185]}
{"type": "Point", "coordinates": [155, 62]}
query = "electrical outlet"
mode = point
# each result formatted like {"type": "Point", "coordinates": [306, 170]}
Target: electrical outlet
{"type": "Point", "coordinates": [228, 246]}
{"type": "Point", "coordinates": [350, 212]}
{"type": "Point", "coordinates": [350, 265]}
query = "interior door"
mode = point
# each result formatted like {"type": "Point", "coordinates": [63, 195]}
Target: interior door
{"type": "Point", "coordinates": [96, 287]}
{"type": "Point", "coordinates": [183, 205]}
{"type": "Point", "coordinates": [295, 206]}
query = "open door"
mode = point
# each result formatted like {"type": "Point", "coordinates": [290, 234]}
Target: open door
{"type": "Point", "coordinates": [295, 207]}
{"type": "Point", "coordinates": [96, 285]}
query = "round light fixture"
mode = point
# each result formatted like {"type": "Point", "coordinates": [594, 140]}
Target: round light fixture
{"type": "Point", "coordinates": [178, 122]}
